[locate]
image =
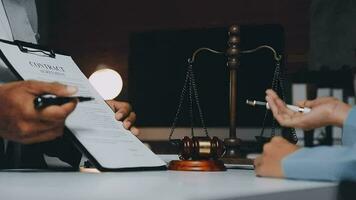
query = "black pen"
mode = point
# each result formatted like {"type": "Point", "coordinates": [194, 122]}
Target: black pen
{"type": "Point", "coordinates": [43, 101]}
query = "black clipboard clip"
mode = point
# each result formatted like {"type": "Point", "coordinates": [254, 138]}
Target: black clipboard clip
{"type": "Point", "coordinates": [45, 52]}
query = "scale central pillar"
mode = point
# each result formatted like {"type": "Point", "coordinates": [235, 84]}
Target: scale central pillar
{"type": "Point", "coordinates": [232, 144]}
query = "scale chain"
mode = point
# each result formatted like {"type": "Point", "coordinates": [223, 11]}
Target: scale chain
{"type": "Point", "coordinates": [191, 84]}
{"type": "Point", "coordinates": [191, 109]}
{"type": "Point", "coordinates": [195, 90]}
{"type": "Point", "coordinates": [181, 99]}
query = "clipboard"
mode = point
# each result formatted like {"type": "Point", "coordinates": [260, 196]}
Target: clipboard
{"type": "Point", "coordinates": [97, 144]}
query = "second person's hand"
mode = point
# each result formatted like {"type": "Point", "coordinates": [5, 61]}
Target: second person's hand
{"type": "Point", "coordinates": [123, 112]}
{"type": "Point", "coordinates": [324, 111]}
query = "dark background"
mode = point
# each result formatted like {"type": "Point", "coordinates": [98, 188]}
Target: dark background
{"type": "Point", "coordinates": [158, 65]}
{"type": "Point", "coordinates": [97, 32]}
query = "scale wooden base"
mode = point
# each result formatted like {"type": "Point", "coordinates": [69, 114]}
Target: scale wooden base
{"type": "Point", "coordinates": [197, 165]}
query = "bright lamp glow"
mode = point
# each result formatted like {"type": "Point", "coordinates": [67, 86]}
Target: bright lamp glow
{"type": "Point", "coordinates": [107, 82]}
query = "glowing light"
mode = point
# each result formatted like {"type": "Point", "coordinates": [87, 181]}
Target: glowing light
{"type": "Point", "coordinates": [107, 82]}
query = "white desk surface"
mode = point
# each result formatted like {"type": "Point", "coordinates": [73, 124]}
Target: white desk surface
{"type": "Point", "coordinates": [232, 184]}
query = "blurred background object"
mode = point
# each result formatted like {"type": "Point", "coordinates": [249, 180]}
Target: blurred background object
{"type": "Point", "coordinates": [107, 82]}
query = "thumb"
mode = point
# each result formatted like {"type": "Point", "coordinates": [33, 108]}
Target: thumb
{"type": "Point", "coordinates": [308, 103]}
{"type": "Point", "coordinates": [39, 87]}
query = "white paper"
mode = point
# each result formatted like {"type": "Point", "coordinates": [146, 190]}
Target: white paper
{"type": "Point", "coordinates": [93, 123]}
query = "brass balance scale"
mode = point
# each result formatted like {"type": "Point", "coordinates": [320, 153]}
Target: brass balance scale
{"type": "Point", "coordinates": [205, 153]}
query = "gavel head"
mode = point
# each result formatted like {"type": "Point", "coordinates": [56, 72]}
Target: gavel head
{"type": "Point", "coordinates": [201, 148]}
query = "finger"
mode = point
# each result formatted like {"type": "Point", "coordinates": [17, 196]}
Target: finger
{"type": "Point", "coordinates": [299, 120]}
{"type": "Point", "coordinates": [282, 107]}
{"type": "Point", "coordinates": [130, 120]}
{"type": "Point", "coordinates": [111, 104]}
{"type": "Point", "coordinates": [274, 108]}
{"type": "Point", "coordinates": [257, 165]}
{"type": "Point", "coordinates": [121, 109]}
{"type": "Point", "coordinates": [51, 113]}
{"type": "Point", "coordinates": [267, 149]}
{"type": "Point", "coordinates": [287, 120]}
{"type": "Point", "coordinates": [43, 136]}
{"type": "Point", "coordinates": [135, 131]}
{"type": "Point", "coordinates": [302, 103]}
{"type": "Point", "coordinates": [30, 129]}
{"type": "Point", "coordinates": [285, 117]}
{"type": "Point", "coordinates": [39, 87]}
{"type": "Point", "coordinates": [306, 121]}
{"type": "Point", "coordinates": [308, 103]}
{"type": "Point", "coordinates": [57, 113]}
{"type": "Point", "coordinates": [257, 162]}
{"type": "Point", "coordinates": [315, 102]}
{"type": "Point", "coordinates": [272, 93]}
{"type": "Point", "coordinates": [278, 140]}
{"type": "Point", "coordinates": [277, 102]}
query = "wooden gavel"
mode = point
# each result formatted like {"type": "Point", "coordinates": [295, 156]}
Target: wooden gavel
{"type": "Point", "coordinates": [200, 148]}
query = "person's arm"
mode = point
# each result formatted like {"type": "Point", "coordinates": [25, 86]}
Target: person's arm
{"type": "Point", "coordinates": [325, 111]}
{"type": "Point", "coordinates": [321, 163]}
{"type": "Point", "coordinates": [326, 163]}
{"type": "Point", "coordinates": [349, 129]}
{"type": "Point", "coordinates": [283, 159]}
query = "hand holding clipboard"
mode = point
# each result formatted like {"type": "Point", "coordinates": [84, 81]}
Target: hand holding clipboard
{"type": "Point", "coordinates": [91, 126]}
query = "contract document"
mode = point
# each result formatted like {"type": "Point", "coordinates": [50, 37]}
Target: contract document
{"type": "Point", "coordinates": [92, 125]}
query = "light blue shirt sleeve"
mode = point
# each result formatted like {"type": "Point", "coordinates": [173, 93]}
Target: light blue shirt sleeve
{"type": "Point", "coordinates": [349, 129]}
{"type": "Point", "coordinates": [332, 163]}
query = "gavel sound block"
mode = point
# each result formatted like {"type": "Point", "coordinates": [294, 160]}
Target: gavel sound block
{"type": "Point", "coordinates": [199, 154]}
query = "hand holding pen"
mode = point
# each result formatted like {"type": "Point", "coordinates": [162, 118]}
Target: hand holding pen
{"type": "Point", "coordinates": [21, 122]}
{"type": "Point", "coordinates": [323, 111]}
{"type": "Point", "coordinates": [43, 101]}
{"type": "Point", "coordinates": [290, 107]}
